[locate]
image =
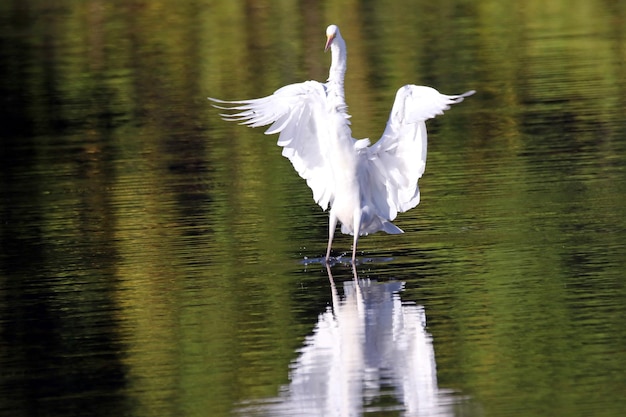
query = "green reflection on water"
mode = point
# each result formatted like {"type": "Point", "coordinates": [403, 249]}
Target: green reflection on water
{"type": "Point", "coordinates": [128, 202]}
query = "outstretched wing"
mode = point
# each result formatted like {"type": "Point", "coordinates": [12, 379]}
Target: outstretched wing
{"type": "Point", "coordinates": [297, 112]}
{"type": "Point", "coordinates": [397, 161]}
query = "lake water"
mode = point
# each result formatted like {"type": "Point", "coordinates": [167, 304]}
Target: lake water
{"type": "Point", "coordinates": [157, 261]}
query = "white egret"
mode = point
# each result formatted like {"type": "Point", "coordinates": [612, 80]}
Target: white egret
{"type": "Point", "coordinates": [365, 185]}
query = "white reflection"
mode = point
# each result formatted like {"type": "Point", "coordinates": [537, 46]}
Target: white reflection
{"type": "Point", "coordinates": [368, 345]}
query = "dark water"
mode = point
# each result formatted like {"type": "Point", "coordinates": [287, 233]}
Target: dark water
{"type": "Point", "coordinates": [156, 261]}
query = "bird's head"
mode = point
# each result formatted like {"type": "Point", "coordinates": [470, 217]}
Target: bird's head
{"type": "Point", "coordinates": [332, 32]}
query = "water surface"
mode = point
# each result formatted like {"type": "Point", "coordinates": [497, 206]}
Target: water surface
{"type": "Point", "coordinates": [156, 261]}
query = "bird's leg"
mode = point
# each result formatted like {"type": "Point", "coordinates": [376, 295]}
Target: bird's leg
{"type": "Point", "coordinates": [356, 238]}
{"type": "Point", "coordinates": [332, 225]}
{"type": "Point", "coordinates": [357, 229]}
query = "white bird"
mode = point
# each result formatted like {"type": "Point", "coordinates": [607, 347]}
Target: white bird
{"type": "Point", "coordinates": [365, 185]}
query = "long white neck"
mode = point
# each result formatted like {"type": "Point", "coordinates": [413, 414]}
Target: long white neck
{"type": "Point", "coordinates": [338, 63]}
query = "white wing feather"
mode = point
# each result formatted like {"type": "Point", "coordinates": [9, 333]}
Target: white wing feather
{"type": "Point", "coordinates": [398, 160]}
{"type": "Point", "coordinates": [391, 167]}
{"type": "Point", "coordinates": [297, 112]}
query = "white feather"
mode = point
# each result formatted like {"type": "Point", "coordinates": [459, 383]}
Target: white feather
{"type": "Point", "coordinates": [365, 186]}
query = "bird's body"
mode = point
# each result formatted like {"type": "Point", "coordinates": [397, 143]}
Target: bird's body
{"type": "Point", "coordinates": [365, 186]}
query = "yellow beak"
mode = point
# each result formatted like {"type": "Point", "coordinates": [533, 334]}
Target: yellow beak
{"type": "Point", "coordinates": [329, 40]}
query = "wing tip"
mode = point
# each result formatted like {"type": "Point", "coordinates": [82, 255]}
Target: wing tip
{"type": "Point", "coordinates": [459, 98]}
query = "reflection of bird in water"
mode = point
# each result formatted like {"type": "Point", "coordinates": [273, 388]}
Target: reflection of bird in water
{"type": "Point", "coordinates": [365, 186]}
{"type": "Point", "coordinates": [369, 345]}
